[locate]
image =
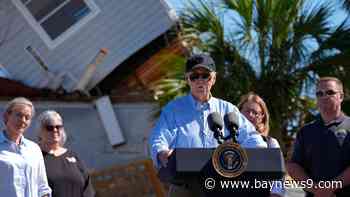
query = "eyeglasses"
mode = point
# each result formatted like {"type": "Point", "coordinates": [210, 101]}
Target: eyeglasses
{"type": "Point", "coordinates": [20, 115]}
{"type": "Point", "coordinates": [253, 112]}
{"type": "Point", "coordinates": [320, 94]}
{"type": "Point", "coordinates": [202, 76]}
{"type": "Point", "coordinates": [53, 127]}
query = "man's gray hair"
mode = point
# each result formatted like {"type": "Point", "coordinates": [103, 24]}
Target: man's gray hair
{"type": "Point", "coordinates": [45, 119]}
{"type": "Point", "coordinates": [19, 101]}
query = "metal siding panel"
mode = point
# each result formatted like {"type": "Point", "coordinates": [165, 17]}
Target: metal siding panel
{"type": "Point", "coordinates": [86, 135]}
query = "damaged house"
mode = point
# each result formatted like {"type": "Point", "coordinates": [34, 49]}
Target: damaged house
{"type": "Point", "coordinates": [93, 61]}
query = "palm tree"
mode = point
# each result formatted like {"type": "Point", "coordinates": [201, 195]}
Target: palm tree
{"type": "Point", "coordinates": [275, 48]}
{"type": "Point", "coordinates": [346, 5]}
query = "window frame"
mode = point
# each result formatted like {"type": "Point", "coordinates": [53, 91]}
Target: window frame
{"type": "Point", "coordinates": [53, 43]}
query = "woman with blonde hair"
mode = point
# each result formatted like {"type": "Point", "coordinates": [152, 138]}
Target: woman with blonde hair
{"type": "Point", "coordinates": [253, 107]}
{"type": "Point", "coordinates": [66, 173]}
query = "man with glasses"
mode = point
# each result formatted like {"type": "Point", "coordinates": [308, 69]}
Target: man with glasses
{"type": "Point", "coordinates": [183, 121]}
{"type": "Point", "coordinates": [22, 167]}
{"type": "Point", "coordinates": [322, 150]}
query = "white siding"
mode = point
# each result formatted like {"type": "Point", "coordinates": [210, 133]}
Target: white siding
{"type": "Point", "coordinates": [86, 134]}
{"type": "Point", "coordinates": [121, 26]}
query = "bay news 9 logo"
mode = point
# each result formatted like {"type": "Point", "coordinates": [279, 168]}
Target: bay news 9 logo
{"type": "Point", "coordinates": [229, 160]}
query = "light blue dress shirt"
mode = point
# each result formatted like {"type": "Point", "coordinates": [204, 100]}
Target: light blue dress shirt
{"type": "Point", "coordinates": [22, 169]}
{"type": "Point", "coordinates": [277, 187]}
{"type": "Point", "coordinates": [183, 124]}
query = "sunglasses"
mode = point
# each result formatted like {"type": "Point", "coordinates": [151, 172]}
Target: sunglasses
{"type": "Point", "coordinates": [197, 76]}
{"type": "Point", "coordinates": [320, 94]}
{"type": "Point", "coordinates": [53, 127]}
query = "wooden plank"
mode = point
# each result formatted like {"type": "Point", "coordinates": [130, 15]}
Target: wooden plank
{"type": "Point", "coordinates": [138, 178]}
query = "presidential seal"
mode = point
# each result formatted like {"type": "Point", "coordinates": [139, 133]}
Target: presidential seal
{"type": "Point", "coordinates": [229, 160]}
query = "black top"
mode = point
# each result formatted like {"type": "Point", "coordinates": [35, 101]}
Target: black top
{"type": "Point", "coordinates": [67, 175]}
{"type": "Point", "coordinates": [318, 151]}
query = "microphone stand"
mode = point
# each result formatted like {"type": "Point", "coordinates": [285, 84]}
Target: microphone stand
{"type": "Point", "coordinates": [218, 136]}
{"type": "Point", "coordinates": [232, 135]}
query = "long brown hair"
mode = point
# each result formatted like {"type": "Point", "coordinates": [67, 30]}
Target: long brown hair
{"type": "Point", "coordinates": [264, 127]}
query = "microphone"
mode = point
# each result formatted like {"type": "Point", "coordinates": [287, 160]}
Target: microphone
{"type": "Point", "coordinates": [216, 124]}
{"type": "Point", "coordinates": [232, 124]}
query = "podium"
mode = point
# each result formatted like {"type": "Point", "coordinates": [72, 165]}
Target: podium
{"type": "Point", "coordinates": [193, 167]}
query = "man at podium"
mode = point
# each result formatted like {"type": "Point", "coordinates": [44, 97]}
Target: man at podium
{"type": "Point", "coordinates": [183, 121]}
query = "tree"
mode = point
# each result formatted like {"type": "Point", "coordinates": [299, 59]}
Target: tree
{"type": "Point", "coordinates": [346, 4]}
{"type": "Point", "coordinates": [274, 48]}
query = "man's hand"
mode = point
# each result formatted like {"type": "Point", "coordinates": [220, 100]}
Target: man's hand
{"type": "Point", "coordinates": [163, 157]}
{"type": "Point", "coordinates": [323, 192]}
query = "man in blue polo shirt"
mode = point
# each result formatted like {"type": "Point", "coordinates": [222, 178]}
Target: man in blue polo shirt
{"type": "Point", "coordinates": [322, 150]}
{"type": "Point", "coordinates": [183, 121]}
